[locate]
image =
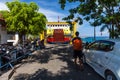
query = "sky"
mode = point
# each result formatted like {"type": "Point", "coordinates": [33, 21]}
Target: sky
{"type": "Point", "coordinates": [51, 9]}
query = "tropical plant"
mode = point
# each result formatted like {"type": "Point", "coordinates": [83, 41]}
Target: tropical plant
{"type": "Point", "coordinates": [24, 18]}
{"type": "Point", "coordinates": [97, 12]}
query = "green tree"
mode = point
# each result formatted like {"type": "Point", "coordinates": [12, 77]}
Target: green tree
{"type": "Point", "coordinates": [98, 12]}
{"type": "Point", "coordinates": [24, 18]}
{"type": "Point", "coordinates": [3, 15]}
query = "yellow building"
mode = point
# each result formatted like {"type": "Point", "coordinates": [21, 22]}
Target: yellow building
{"type": "Point", "coordinates": [58, 25]}
{"type": "Point", "coordinates": [58, 32]}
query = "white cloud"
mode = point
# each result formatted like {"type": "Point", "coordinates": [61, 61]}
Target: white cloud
{"type": "Point", "coordinates": [51, 15]}
{"type": "Point", "coordinates": [3, 6]}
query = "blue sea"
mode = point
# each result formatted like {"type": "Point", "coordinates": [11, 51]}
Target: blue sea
{"type": "Point", "coordinates": [91, 39]}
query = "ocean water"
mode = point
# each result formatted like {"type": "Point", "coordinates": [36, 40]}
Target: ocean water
{"type": "Point", "coordinates": [91, 39]}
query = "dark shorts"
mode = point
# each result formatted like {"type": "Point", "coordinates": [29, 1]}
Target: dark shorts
{"type": "Point", "coordinates": [78, 54]}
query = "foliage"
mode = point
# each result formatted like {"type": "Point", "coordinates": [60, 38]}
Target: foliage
{"type": "Point", "coordinates": [4, 13]}
{"type": "Point", "coordinates": [24, 18]}
{"type": "Point", "coordinates": [97, 12]}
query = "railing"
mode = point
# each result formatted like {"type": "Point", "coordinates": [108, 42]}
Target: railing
{"type": "Point", "coordinates": [17, 53]}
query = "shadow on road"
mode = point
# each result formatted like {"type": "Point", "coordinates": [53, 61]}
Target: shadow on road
{"type": "Point", "coordinates": [69, 72]}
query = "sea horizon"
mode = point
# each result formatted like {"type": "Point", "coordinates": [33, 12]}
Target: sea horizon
{"type": "Point", "coordinates": [91, 38]}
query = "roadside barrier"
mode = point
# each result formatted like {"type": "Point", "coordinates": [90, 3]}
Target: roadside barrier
{"type": "Point", "coordinates": [10, 56]}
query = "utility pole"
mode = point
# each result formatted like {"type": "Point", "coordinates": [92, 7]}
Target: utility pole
{"type": "Point", "coordinates": [94, 31]}
{"type": "Point", "coordinates": [95, 25]}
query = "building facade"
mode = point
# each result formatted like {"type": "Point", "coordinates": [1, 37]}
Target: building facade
{"type": "Point", "coordinates": [6, 37]}
{"type": "Point", "coordinates": [3, 31]}
{"type": "Point", "coordinates": [58, 32]}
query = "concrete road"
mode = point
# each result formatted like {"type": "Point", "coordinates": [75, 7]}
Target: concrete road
{"type": "Point", "coordinates": [53, 63]}
{"type": "Point", "coordinates": [62, 68]}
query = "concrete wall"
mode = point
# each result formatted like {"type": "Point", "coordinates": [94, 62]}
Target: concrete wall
{"type": "Point", "coordinates": [15, 40]}
{"type": "Point", "coordinates": [4, 37]}
{"type": "Point", "coordinates": [3, 34]}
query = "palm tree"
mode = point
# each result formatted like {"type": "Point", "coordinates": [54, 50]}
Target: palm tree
{"type": "Point", "coordinates": [110, 28]}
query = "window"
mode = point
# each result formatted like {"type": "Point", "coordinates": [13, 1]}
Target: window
{"type": "Point", "coordinates": [102, 45]}
{"type": "Point", "coordinates": [106, 46]}
{"type": "Point", "coordinates": [94, 46]}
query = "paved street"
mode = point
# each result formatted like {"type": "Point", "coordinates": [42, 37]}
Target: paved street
{"type": "Point", "coordinates": [62, 67]}
{"type": "Point", "coordinates": [53, 63]}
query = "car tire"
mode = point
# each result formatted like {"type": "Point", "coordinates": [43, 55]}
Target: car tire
{"type": "Point", "coordinates": [110, 76]}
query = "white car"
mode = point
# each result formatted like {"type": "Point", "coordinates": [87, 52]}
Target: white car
{"type": "Point", "coordinates": [104, 57]}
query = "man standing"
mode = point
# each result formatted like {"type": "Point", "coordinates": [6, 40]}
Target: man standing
{"type": "Point", "coordinates": [77, 48]}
